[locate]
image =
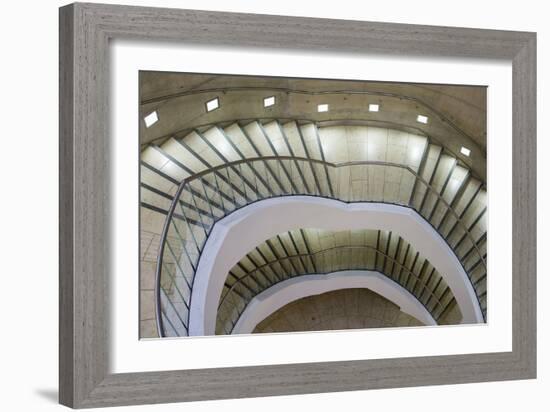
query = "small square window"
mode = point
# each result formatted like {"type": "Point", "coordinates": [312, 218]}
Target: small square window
{"type": "Point", "coordinates": [465, 151]}
{"type": "Point", "coordinates": [269, 101]}
{"type": "Point", "coordinates": [422, 119]}
{"type": "Point", "coordinates": [151, 119]}
{"type": "Point", "coordinates": [212, 104]}
{"type": "Point", "coordinates": [322, 108]}
{"type": "Point", "coordinates": [374, 107]}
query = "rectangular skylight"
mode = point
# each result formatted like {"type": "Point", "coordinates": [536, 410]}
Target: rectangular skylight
{"type": "Point", "coordinates": [269, 101]}
{"type": "Point", "coordinates": [151, 119]}
{"type": "Point", "coordinates": [422, 119]}
{"type": "Point", "coordinates": [374, 107]}
{"type": "Point", "coordinates": [212, 104]}
{"type": "Point", "coordinates": [322, 108]}
{"type": "Point", "coordinates": [465, 152]}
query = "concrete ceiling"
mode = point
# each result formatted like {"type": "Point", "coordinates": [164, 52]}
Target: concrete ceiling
{"type": "Point", "coordinates": [457, 114]}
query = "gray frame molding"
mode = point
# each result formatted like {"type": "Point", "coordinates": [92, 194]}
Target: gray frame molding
{"type": "Point", "coordinates": [85, 30]}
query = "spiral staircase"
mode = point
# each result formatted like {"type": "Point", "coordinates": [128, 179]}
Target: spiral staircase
{"type": "Point", "coordinates": [191, 182]}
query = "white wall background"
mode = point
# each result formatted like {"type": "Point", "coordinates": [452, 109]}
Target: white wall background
{"type": "Point", "coordinates": [28, 355]}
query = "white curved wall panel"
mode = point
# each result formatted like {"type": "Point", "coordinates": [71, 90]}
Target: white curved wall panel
{"type": "Point", "coordinates": [238, 233]}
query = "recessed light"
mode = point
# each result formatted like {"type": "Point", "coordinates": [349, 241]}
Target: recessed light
{"type": "Point", "coordinates": [212, 104]}
{"type": "Point", "coordinates": [374, 107]}
{"type": "Point", "coordinates": [422, 119]}
{"type": "Point", "coordinates": [322, 108]}
{"type": "Point", "coordinates": [465, 152]}
{"type": "Point", "coordinates": [269, 101]}
{"type": "Point", "coordinates": [151, 119]}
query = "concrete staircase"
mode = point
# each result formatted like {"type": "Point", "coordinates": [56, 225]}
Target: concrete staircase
{"type": "Point", "coordinates": [315, 251]}
{"type": "Point", "coordinates": [228, 179]}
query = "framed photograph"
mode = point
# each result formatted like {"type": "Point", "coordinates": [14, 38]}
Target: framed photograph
{"type": "Point", "coordinates": [256, 205]}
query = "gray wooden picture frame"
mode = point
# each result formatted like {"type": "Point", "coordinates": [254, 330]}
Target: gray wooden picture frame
{"type": "Point", "coordinates": [85, 31]}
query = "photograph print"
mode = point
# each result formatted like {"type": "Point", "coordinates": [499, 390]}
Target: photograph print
{"type": "Point", "coordinates": [279, 205]}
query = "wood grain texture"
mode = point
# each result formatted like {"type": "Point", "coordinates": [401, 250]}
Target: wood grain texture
{"type": "Point", "coordinates": [66, 110]}
{"type": "Point", "coordinates": [85, 30]}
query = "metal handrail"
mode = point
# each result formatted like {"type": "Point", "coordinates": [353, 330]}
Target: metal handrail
{"type": "Point", "coordinates": [323, 251]}
{"type": "Point", "coordinates": [190, 179]}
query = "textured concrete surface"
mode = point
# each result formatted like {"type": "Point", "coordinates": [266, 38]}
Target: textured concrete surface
{"type": "Point", "coordinates": [342, 309]}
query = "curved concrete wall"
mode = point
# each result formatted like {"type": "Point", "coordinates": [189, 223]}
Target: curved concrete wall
{"type": "Point", "coordinates": [283, 293]}
{"type": "Point", "coordinates": [238, 233]}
